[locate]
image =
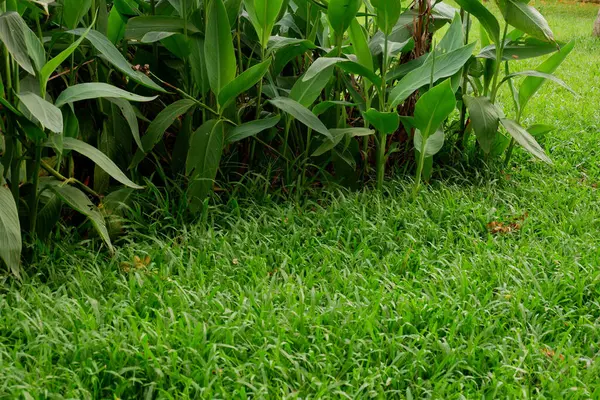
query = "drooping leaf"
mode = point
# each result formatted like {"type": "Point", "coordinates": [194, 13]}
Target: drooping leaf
{"type": "Point", "coordinates": [10, 231]}
{"type": "Point", "coordinates": [78, 201]}
{"type": "Point", "coordinates": [45, 112]}
{"type": "Point", "coordinates": [21, 42]}
{"type": "Point", "coordinates": [384, 122]}
{"type": "Point", "coordinates": [219, 44]}
{"type": "Point", "coordinates": [158, 126]}
{"type": "Point", "coordinates": [323, 106]}
{"type": "Point", "coordinates": [131, 118]}
{"type": "Point", "coordinates": [250, 129]}
{"type": "Point", "coordinates": [116, 58]}
{"type": "Point", "coordinates": [526, 18]}
{"type": "Point", "coordinates": [243, 82]}
{"type": "Point", "coordinates": [87, 91]}
{"type": "Point", "coordinates": [525, 139]}
{"type": "Point", "coordinates": [338, 135]}
{"type": "Point", "coordinates": [484, 119]}
{"type": "Point", "coordinates": [99, 158]}
{"type": "Point", "coordinates": [444, 66]}
{"type": "Point", "coordinates": [530, 48]}
{"type": "Point", "coordinates": [301, 113]}
{"type": "Point", "coordinates": [137, 27]}
{"type": "Point", "coordinates": [532, 84]}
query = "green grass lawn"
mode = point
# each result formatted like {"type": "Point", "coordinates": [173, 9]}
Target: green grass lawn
{"type": "Point", "coordinates": [357, 296]}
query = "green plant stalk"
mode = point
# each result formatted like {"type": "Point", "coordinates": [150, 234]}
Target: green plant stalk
{"type": "Point", "coordinates": [464, 135]}
{"type": "Point", "coordinates": [518, 109]}
{"type": "Point", "coordinates": [306, 155]}
{"type": "Point", "coordinates": [421, 164]}
{"type": "Point", "coordinates": [499, 56]}
{"type": "Point", "coordinates": [33, 201]}
{"type": "Point", "coordinates": [286, 135]}
{"type": "Point", "coordinates": [15, 165]}
{"type": "Point", "coordinates": [381, 137]}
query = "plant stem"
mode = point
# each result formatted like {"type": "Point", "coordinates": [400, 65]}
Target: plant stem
{"type": "Point", "coordinates": [381, 137]}
{"type": "Point", "coordinates": [499, 56]}
{"type": "Point", "coordinates": [33, 201]}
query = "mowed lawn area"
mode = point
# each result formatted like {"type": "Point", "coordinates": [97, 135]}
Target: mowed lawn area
{"type": "Point", "coordinates": [487, 286]}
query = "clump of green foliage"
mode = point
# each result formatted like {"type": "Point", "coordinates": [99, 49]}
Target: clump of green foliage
{"type": "Point", "coordinates": [95, 92]}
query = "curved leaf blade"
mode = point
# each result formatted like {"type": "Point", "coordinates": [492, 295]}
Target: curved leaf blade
{"type": "Point", "coordinates": [87, 91]}
{"type": "Point", "coordinates": [10, 231]}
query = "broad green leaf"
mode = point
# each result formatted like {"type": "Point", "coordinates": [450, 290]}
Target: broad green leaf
{"type": "Point", "coordinates": [532, 84]}
{"type": "Point", "coordinates": [54, 63]}
{"type": "Point", "coordinates": [301, 113]}
{"type": "Point", "coordinates": [540, 129]}
{"type": "Point", "coordinates": [47, 114]}
{"type": "Point", "coordinates": [358, 38]}
{"type": "Point", "coordinates": [388, 13]}
{"type": "Point", "coordinates": [541, 75]}
{"type": "Point", "coordinates": [306, 91]}
{"type": "Point", "coordinates": [243, 82]}
{"type": "Point", "coordinates": [10, 231]}
{"type": "Point", "coordinates": [129, 114]}
{"type": "Point", "coordinates": [87, 91]}
{"type": "Point", "coordinates": [158, 126]}
{"type": "Point", "coordinates": [525, 139]}
{"type": "Point", "coordinates": [433, 108]}
{"type": "Point", "coordinates": [21, 42]}
{"type": "Point", "coordinates": [116, 26]}
{"type": "Point", "coordinates": [250, 129]}
{"type": "Point", "coordinates": [116, 58]}
{"type": "Point", "coordinates": [221, 68]}
{"type": "Point", "coordinates": [527, 19]}
{"type": "Point", "coordinates": [323, 106]}
{"type": "Point", "coordinates": [48, 214]}
{"type": "Point", "coordinates": [530, 48]}
{"type": "Point", "coordinates": [137, 27]}
{"type": "Point", "coordinates": [78, 201]}
{"type": "Point", "coordinates": [263, 14]}
{"type": "Point", "coordinates": [485, 17]}
{"type": "Point", "coordinates": [352, 67]}
{"type": "Point", "coordinates": [198, 65]}
{"type": "Point", "coordinates": [433, 145]}
{"type": "Point", "coordinates": [445, 66]}
{"type": "Point", "coordinates": [338, 135]}
{"type": "Point", "coordinates": [73, 11]}
{"type": "Point", "coordinates": [319, 65]}
{"type": "Point", "coordinates": [99, 158]}
{"type": "Point", "coordinates": [204, 157]}
{"type": "Point", "coordinates": [341, 13]}
{"type": "Point", "coordinates": [152, 37]}
{"type": "Point", "coordinates": [484, 119]}
{"type": "Point", "coordinates": [454, 37]}
{"type": "Point", "coordinates": [233, 10]}
{"type": "Point", "coordinates": [384, 122]}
